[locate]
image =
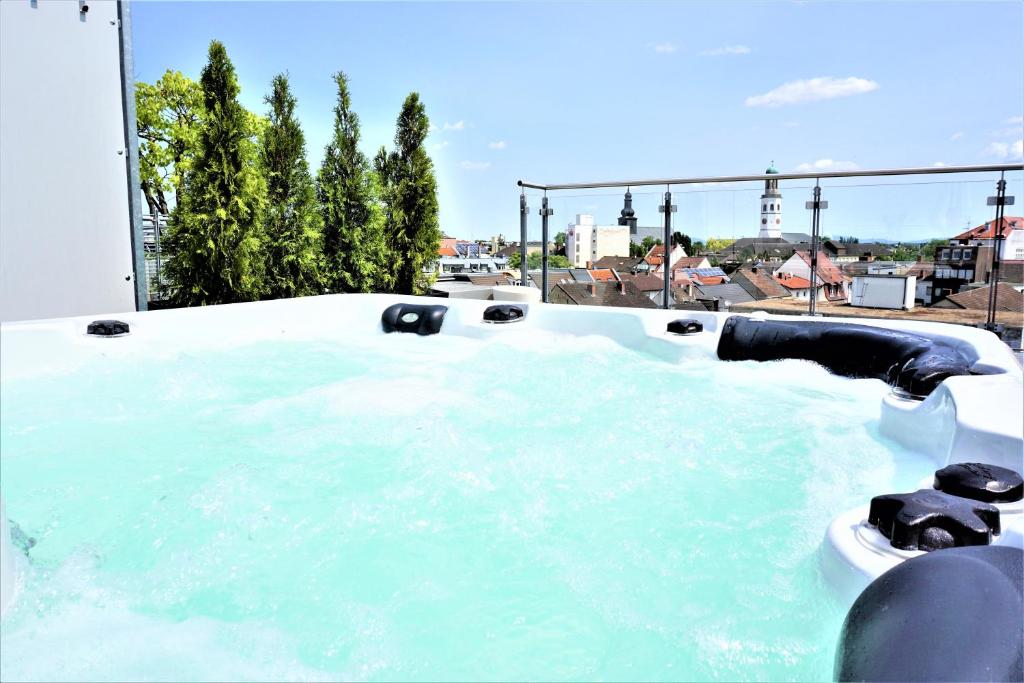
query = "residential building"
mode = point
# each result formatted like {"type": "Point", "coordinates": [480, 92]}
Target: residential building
{"type": "Point", "coordinates": [705, 276]}
{"type": "Point", "coordinates": [651, 286]}
{"type": "Point", "coordinates": [758, 282]}
{"type": "Point", "coordinates": [599, 294]}
{"type": "Point", "coordinates": [1011, 231]}
{"type": "Point", "coordinates": [797, 268]}
{"type": "Point", "coordinates": [1008, 298]}
{"type": "Point", "coordinates": [851, 252]}
{"type": "Point", "coordinates": [726, 294]}
{"type": "Point", "coordinates": [655, 258]}
{"type": "Point", "coordinates": [884, 291]}
{"type": "Point", "coordinates": [800, 287]}
{"type": "Point", "coordinates": [924, 272]}
{"type": "Point", "coordinates": [623, 264]}
{"type": "Point", "coordinates": [586, 242]}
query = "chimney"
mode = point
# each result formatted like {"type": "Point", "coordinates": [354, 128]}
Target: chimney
{"type": "Point", "coordinates": [593, 289]}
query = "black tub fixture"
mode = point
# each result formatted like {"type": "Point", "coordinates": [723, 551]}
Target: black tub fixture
{"type": "Point", "coordinates": [107, 328]}
{"type": "Point", "coordinates": [504, 314]}
{"type": "Point", "coordinates": [909, 362]}
{"type": "Point", "coordinates": [418, 318]}
{"type": "Point", "coordinates": [685, 326]}
{"type": "Point", "coordinates": [930, 520]}
{"type": "Point", "coordinates": [980, 481]}
{"type": "Point", "coordinates": [952, 615]}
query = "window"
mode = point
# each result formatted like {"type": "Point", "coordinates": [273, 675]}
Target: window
{"type": "Point", "coordinates": [764, 208]}
{"type": "Point", "coordinates": [956, 254]}
{"type": "Point", "coordinates": [967, 254]}
{"type": "Point", "coordinates": [945, 254]}
{"type": "Point", "coordinates": [772, 207]}
{"type": "Point", "coordinates": [969, 274]}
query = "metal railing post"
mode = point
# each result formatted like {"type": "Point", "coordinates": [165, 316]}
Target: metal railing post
{"type": "Point", "coordinates": [544, 213]}
{"type": "Point", "coordinates": [667, 208]}
{"type": "Point", "coordinates": [159, 264]}
{"type": "Point", "coordinates": [1000, 200]}
{"type": "Point", "coordinates": [523, 210]}
{"type": "Point", "coordinates": [816, 205]}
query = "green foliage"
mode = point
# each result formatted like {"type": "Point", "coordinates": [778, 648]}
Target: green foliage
{"type": "Point", "coordinates": [410, 199]}
{"type": "Point", "coordinates": [560, 240]}
{"type": "Point", "coordinates": [698, 248]}
{"type": "Point", "coordinates": [356, 254]}
{"type": "Point", "coordinates": [215, 241]}
{"type": "Point", "coordinates": [905, 252]}
{"type": "Point", "coordinates": [683, 241]}
{"type": "Point", "coordinates": [649, 243]}
{"type": "Point", "coordinates": [717, 243]}
{"type": "Point", "coordinates": [293, 221]}
{"type": "Point", "coordinates": [636, 250]}
{"type": "Point", "coordinates": [168, 115]}
{"type": "Point", "coordinates": [534, 261]}
{"type": "Point", "coordinates": [848, 239]}
{"type": "Point", "coordinates": [928, 249]}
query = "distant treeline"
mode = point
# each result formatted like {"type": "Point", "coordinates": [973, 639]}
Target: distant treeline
{"type": "Point", "coordinates": [248, 220]}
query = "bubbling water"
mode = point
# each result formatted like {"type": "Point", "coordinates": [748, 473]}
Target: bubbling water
{"type": "Point", "coordinates": [534, 506]}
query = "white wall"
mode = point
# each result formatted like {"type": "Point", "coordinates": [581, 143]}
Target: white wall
{"type": "Point", "coordinates": [894, 291]}
{"type": "Point", "coordinates": [65, 228]}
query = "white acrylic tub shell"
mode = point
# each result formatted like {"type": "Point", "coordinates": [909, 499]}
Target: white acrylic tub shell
{"type": "Point", "coordinates": [976, 418]}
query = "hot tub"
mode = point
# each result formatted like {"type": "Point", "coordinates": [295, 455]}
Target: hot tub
{"type": "Point", "coordinates": [282, 490]}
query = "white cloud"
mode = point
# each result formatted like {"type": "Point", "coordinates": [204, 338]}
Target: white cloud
{"type": "Point", "coordinates": [500, 144]}
{"type": "Point", "coordinates": [432, 129]}
{"type": "Point", "coordinates": [827, 165]}
{"type": "Point", "coordinates": [998, 149]}
{"type": "Point", "coordinates": [956, 136]}
{"type": "Point", "coordinates": [665, 48]}
{"type": "Point", "coordinates": [438, 146]}
{"type": "Point", "coordinates": [1005, 150]}
{"type": "Point", "coordinates": [476, 165]}
{"type": "Point", "coordinates": [458, 125]}
{"type": "Point", "coordinates": [726, 50]}
{"type": "Point", "coordinates": [811, 90]}
{"type": "Point", "coordinates": [939, 164]}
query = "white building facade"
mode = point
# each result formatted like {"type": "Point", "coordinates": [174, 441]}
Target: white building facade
{"type": "Point", "coordinates": [586, 242]}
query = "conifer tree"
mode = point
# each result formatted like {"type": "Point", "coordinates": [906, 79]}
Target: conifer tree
{"type": "Point", "coordinates": [215, 241]}
{"type": "Point", "coordinates": [410, 198]}
{"type": "Point", "coordinates": [293, 221]}
{"type": "Point", "coordinates": [355, 252]}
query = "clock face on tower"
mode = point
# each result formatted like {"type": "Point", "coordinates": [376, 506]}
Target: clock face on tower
{"type": "Point", "coordinates": [764, 221]}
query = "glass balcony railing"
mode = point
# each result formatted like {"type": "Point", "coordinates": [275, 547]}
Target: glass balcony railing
{"type": "Point", "coordinates": [910, 243]}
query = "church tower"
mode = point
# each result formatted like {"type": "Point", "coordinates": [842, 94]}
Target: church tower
{"type": "Point", "coordinates": [627, 216]}
{"type": "Point", "coordinates": [771, 207]}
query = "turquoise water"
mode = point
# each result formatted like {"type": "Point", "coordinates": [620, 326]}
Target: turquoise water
{"type": "Point", "coordinates": [408, 508]}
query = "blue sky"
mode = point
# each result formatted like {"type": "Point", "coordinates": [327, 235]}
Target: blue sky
{"type": "Point", "coordinates": [605, 90]}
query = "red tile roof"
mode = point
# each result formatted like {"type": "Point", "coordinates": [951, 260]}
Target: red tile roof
{"type": "Point", "coordinates": [644, 283]}
{"type": "Point", "coordinates": [602, 275]}
{"type": "Point", "coordinates": [828, 272]}
{"type": "Point", "coordinates": [1007, 298]}
{"type": "Point", "coordinates": [793, 282]}
{"type": "Point", "coordinates": [988, 231]}
{"type": "Point", "coordinates": [656, 255]}
{"type": "Point", "coordinates": [710, 279]}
